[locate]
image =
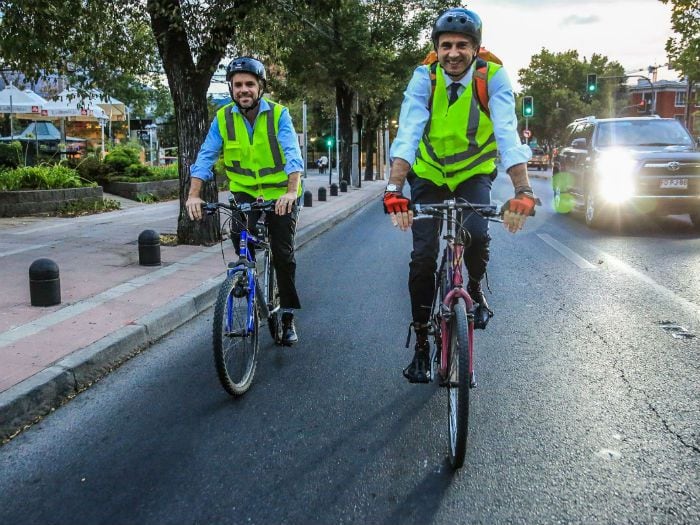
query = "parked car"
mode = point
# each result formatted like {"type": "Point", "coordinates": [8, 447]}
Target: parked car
{"type": "Point", "coordinates": [610, 166]}
{"type": "Point", "coordinates": [539, 160]}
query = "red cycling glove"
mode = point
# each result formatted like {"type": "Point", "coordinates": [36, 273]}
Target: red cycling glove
{"type": "Point", "coordinates": [395, 202]}
{"type": "Point", "coordinates": [522, 203]}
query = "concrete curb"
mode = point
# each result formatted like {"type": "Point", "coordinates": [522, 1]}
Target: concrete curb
{"type": "Point", "coordinates": [27, 402]}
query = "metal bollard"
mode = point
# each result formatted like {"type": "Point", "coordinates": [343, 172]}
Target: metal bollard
{"type": "Point", "coordinates": [44, 283]}
{"type": "Point", "coordinates": [322, 193]}
{"type": "Point", "coordinates": [308, 199]}
{"type": "Point", "coordinates": [149, 248]}
{"type": "Point", "coordinates": [334, 190]}
{"type": "Point", "coordinates": [344, 186]}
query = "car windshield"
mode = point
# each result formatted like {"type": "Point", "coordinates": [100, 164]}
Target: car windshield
{"type": "Point", "coordinates": [537, 151]}
{"type": "Point", "coordinates": [643, 133]}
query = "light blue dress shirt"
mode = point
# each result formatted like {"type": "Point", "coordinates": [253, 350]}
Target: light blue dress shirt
{"type": "Point", "coordinates": [415, 114]}
{"type": "Point", "coordinates": [211, 148]}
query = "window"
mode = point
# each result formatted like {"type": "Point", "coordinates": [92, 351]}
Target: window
{"type": "Point", "coordinates": [680, 99]}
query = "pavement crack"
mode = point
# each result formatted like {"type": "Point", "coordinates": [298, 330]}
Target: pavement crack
{"type": "Point", "coordinates": [631, 388]}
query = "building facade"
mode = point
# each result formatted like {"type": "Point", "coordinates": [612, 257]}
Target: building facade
{"type": "Point", "coordinates": [667, 99]}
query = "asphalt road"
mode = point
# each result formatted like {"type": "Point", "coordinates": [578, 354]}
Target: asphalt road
{"type": "Point", "coordinates": [586, 411]}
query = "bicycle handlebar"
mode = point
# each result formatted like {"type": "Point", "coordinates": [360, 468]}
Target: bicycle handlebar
{"type": "Point", "coordinates": [488, 211]}
{"type": "Point", "coordinates": [245, 207]}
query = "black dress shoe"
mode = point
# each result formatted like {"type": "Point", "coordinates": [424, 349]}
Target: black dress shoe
{"type": "Point", "coordinates": [483, 312]}
{"type": "Point", "coordinates": [289, 333]}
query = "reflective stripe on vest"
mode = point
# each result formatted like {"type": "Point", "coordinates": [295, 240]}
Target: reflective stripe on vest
{"type": "Point", "coordinates": [254, 166]}
{"type": "Point", "coordinates": [451, 152]}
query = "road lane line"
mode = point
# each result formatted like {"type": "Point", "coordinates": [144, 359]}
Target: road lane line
{"type": "Point", "coordinates": [567, 252]}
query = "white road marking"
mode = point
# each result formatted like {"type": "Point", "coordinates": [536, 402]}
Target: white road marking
{"type": "Point", "coordinates": [567, 252]}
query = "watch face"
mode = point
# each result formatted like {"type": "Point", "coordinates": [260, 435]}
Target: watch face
{"type": "Point", "coordinates": [391, 187]}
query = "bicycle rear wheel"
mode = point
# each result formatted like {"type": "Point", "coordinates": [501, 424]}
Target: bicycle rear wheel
{"type": "Point", "coordinates": [458, 384]}
{"type": "Point", "coordinates": [235, 337]}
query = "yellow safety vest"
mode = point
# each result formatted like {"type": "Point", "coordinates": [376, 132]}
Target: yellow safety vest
{"type": "Point", "coordinates": [451, 152]}
{"type": "Point", "coordinates": [256, 166]}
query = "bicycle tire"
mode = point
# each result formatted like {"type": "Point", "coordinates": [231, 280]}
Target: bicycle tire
{"type": "Point", "coordinates": [458, 384]}
{"type": "Point", "coordinates": [235, 348]}
{"type": "Point", "coordinates": [274, 322]}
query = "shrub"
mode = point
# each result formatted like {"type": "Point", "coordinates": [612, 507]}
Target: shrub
{"type": "Point", "coordinates": [136, 171]}
{"type": "Point", "coordinates": [41, 178]}
{"type": "Point", "coordinates": [92, 169]}
{"type": "Point", "coordinates": [10, 154]}
{"type": "Point", "coordinates": [121, 157]}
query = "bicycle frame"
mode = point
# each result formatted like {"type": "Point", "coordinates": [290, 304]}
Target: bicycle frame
{"type": "Point", "coordinates": [453, 255]}
{"type": "Point", "coordinates": [247, 263]}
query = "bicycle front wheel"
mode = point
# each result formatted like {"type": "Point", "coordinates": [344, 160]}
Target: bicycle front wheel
{"type": "Point", "coordinates": [235, 334]}
{"type": "Point", "coordinates": [458, 384]}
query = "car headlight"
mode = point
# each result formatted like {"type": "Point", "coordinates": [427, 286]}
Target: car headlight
{"type": "Point", "coordinates": [615, 176]}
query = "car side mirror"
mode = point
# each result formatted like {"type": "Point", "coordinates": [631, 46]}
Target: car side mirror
{"type": "Point", "coordinates": [579, 143]}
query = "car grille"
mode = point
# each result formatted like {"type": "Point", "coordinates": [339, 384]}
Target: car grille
{"type": "Point", "coordinates": [653, 171]}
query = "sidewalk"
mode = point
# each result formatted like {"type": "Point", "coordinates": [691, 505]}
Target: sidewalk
{"type": "Point", "coordinates": [111, 307]}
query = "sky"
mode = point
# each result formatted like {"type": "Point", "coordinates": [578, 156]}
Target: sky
{"type": "Point", "coordinates": [631, 32]}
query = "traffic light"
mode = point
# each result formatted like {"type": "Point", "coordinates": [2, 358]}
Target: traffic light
{"type": "Point", "coordinates": [592, 83]}
{"type": "Point", "coordinates": [528, 106]}
{"type": "Point", "coordinates": [330, 141]}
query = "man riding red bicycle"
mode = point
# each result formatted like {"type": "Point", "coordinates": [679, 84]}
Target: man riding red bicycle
{"type": "Point", "coordinates": [446, 148]}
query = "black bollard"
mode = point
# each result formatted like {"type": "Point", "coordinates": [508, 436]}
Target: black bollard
{"type": "Point", "coordinates": [334, 190]}
{"type": "Point", "coordinates": [343, 186]}
{"type": "Point", "coordinates": [308, 199]}
{"type": "Point", "coordinates": [149, 248]}
{"type": "Point", "coordinates": [44, 283]}
{"type": "Point", "coordinates": [322, 194]}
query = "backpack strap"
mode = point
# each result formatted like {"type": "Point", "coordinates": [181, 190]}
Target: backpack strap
{"type": "Point", "coordinates": [432, 71]}
{"type": "Point", "coordinates": [480, 85]}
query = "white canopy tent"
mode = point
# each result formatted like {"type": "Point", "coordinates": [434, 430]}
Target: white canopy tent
{"type": "Point", "coordinates": [17, 101]}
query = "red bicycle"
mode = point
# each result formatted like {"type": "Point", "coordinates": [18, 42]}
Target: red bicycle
{"type": "Point", "coordinates": [452, 319]}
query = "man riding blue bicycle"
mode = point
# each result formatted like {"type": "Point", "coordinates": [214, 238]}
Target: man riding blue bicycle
{"type": "Point", "coordinates": [262, 159]}
{"type": "Point", "coordinates": [446, 148]}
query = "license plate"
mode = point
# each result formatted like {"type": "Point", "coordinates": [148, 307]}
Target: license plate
{"type": "Point", "coordinates": [674, 183]}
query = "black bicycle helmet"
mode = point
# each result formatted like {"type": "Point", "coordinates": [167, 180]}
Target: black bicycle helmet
{"type": "Point", "coordinates": [246, 65]}
{"type": "Point", "coordinates": [457, 20]}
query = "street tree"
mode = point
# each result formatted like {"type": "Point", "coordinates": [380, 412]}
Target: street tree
{"type": "Point", "coordinates": [95, 42]}
{"type": "Point", "coordinates": [684, 48]}
{"type": "Point", "coordinates": [557, 82]}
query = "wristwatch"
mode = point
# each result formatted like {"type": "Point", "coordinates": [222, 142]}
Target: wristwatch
{"type": "Point", "coordinates": [392, 187]}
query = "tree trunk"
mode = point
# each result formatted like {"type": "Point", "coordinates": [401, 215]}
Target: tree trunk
{"type": "Point", "coordinates": [343, 99]}
{"type": "Point", "coordinates": [370, 139]}
{"type": "Point", "coordinates": [188, 88]}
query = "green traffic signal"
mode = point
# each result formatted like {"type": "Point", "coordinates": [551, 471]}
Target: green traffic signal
{"type": "Point", "coordinates": [528, 106]}
{"type": "Point", "coordinates": [329, 142]}
{"type": "Point", "coordinates": [592, 83]}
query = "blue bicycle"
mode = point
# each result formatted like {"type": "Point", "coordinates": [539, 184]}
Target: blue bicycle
{"type": "Point", "coordinates": [248, 296]}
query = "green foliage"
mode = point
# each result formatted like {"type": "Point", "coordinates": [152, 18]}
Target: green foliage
{"type": "Point", "coordinates": [92, 169]}
{"type": "Point", "coordinates": [684, 48]}
{"type": "Point", "coordinates": [146, 198]}
{"type": "Point", "coordinates": [10, 154]}
{"type": "Point", "coordinates": [121, 157]}
{"type": "Point", "coordinates": [558, 84]}
{"type": "Point", "coordinates": [141, 173]}
{"type": "Point", "coordinates": [88, 207]}
{"type": "Point", "coordinates": [41, 178]}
